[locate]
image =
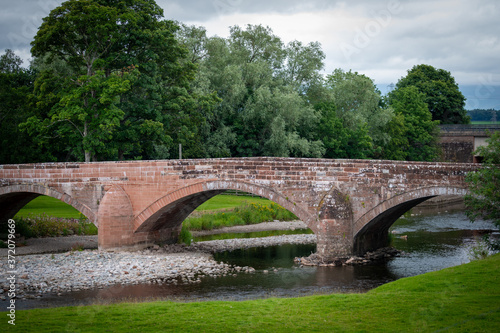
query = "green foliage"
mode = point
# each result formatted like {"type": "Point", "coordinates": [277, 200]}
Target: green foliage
{"type": "Point", "coordinates": [90, 92]}
{"type": "Point", "coordinates": [358, 104]}
{"type": "Point", "coordinates": [442, 95]}
{"type": "Point", "coordinates": [16, 83]}
{"type": "Point", "coordinates": [49, 226]}
{"type": "Point", "coordinates": [260, 83]}
{"type": "Point", "coordinates": [484, 115]}
{"type": "Point", "coordinates": [339, 140]}
{"type": "Point", "coordinates": [484, 198]}
{"type": "Point", "coordinates": [113, 80]}
{"type": "Point", "coordinates": [185, 235]}
{"type": "Point", "coordinates": [479, 251]}
{"type": "Point", "coordinates": [88, 113]}
{"type": "Point", "coordinates": [248, 213]}
{"type": "Point", "coordinates": [413, 132]}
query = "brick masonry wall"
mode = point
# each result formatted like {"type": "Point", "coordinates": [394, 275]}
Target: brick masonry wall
{"type": "Point", "coordinates": [143, 201]}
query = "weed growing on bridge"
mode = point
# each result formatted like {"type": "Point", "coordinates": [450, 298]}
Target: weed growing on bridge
{"type": "Point", "coordinates": [49, 226]}
{"type": "Point", "coordinates": [242, 215]}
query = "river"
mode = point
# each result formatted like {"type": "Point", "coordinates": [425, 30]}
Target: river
{"type": "Point", "coordinates": [429, 243]}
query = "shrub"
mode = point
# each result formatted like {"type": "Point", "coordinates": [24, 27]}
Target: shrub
{"type": "Point", "coordinates": [242, 215]}
{"type": "Point", "coordinates": [185, 236]}
{"type": "Point", "coordinates": [48, 226]}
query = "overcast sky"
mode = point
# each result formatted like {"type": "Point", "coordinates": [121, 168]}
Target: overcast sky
{"type": "Point", "coordinates": [381, 39]}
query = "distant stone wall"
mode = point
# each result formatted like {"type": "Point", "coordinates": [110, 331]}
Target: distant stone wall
{"type": "Point", "coordinates": [458, 142]}
{"type": "Point", "coordinates": [457, 149]}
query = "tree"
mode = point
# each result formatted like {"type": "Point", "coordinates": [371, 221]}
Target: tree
{"type": "Point", "coordinates": [340, 141]}
{"type": "Point", "coordinates": [484, 198]}
{"type": "Point", "coordinates": [88, 114]}
{"type": "Point", "coordinates": [16, 84]}
{"type": "Point", "coordinates": [358, 104]}
{"type": "Point", "coordinates": [261, 83]}
{"type": "Point", "coordinates": [138, 69]}
{"type": "Point", "coordinates": [10, 62]}
{"type": "Point", "coordinates": [415, 137]}
{"type": "Point", "coordinates": [442, 95]}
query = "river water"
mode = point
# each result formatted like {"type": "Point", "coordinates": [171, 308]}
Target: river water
{"type": "Point", "coordinates": [429, 242]}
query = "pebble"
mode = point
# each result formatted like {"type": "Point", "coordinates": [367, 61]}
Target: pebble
{"type": "Point", "coordinates": [245, 243]}
{"type": "Point", "coordinates": [56, 273]}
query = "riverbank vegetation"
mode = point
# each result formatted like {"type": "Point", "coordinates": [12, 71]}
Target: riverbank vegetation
{"type": "Point", "coordinates": [244, 214]}
{"type": "Point", "coordinates": [464, 298]}
{"type": "Point", "coordinates": [483, 201]}
{"type": "Point", "coordinates": [48, 226]}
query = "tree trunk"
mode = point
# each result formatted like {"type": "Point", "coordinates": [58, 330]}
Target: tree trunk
{"type": "Point", "coordinates": [85, 132]}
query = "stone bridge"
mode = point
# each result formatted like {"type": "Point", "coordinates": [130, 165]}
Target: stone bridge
{"type": "Point", "coordinates": [349, 204]}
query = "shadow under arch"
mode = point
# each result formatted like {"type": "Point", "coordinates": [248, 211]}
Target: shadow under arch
{"type": "Point", "coordinates": [15, 197]}
{"type": "Point", "coordinates": [371, 230]}
{"type": "Point", "coordinates": [173, 208]}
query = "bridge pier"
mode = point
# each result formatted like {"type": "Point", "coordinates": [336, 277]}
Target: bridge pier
{"type": "Point", "coordinates": [116, 228]}
{"type": "Point", "coordinates": [334, 246]}
{"type": "Point", "coordinates": [334, 228]}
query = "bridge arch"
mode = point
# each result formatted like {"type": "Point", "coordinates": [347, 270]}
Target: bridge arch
{"type": "Point", "coordinates": [370, 231]}
{"type": "Point", "coordinates": [15, 197]}
{"type": "Point", "coordinates": [173, 208]}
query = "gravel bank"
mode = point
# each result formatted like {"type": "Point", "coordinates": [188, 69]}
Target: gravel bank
{"type": "Point", "coordinates": [54, 272]}
{"type": "Point", "coordinates": [265, 226]}
{"type": "Point", "coordinates": [245, 243]}
{"type": "Point", "coordinates": [72, 271]}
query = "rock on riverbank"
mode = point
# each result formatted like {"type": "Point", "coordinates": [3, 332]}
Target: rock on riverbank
{"type": "Point", "coordinates": [369, 257]}
{"type": "Point", "coordinates": [72, 271]}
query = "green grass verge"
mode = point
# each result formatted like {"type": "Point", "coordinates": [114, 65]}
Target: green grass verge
{"type": "Point", "coordinates": [465, 298]}
{"type": "Point", "coordinates": [44, 205]}
{"type": "Point", "coordinates": [56, 208]}
{"type": "Point", "coordinates": [480, 122]}
{"type": "Point", "coordinates": [224, 202]}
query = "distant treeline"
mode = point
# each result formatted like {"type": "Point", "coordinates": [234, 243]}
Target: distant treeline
{"type": "Point", "coordinates": [484, 115]}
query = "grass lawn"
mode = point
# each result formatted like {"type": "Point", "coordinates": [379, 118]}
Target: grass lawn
{"type": "Point", "coordinates": [54, 207]}
{"type": "Point", "coordinates": [49, 206]}
{"type": "Point", "coordinates": [230, 201]}
{"type": "Point", "coordinates": [465, 298]}
{"type": "Point", "coordinates": [479, 122]}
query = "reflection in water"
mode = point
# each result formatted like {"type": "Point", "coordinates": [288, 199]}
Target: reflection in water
{"type": "Point", "coordinates": [432, 243]}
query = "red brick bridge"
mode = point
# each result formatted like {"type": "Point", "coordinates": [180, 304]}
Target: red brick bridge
{"type": "Point", "coordinates": [349, 204]}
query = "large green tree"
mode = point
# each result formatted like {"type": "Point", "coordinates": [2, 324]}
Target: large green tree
{"type": "Point", "coordinates": [442, 94]}
{"type": "Point", "coordinates": [341, 141]}
{"type": "Point", "coordinates": [413, 132]}
{"type": "Point", "coordinates": [125, 89]}
{"type": "Point", "coordinates": [358, 104]}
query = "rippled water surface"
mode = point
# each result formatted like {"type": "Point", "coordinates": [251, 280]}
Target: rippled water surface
{"type": "Point", "coordinates": [429, 243]}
